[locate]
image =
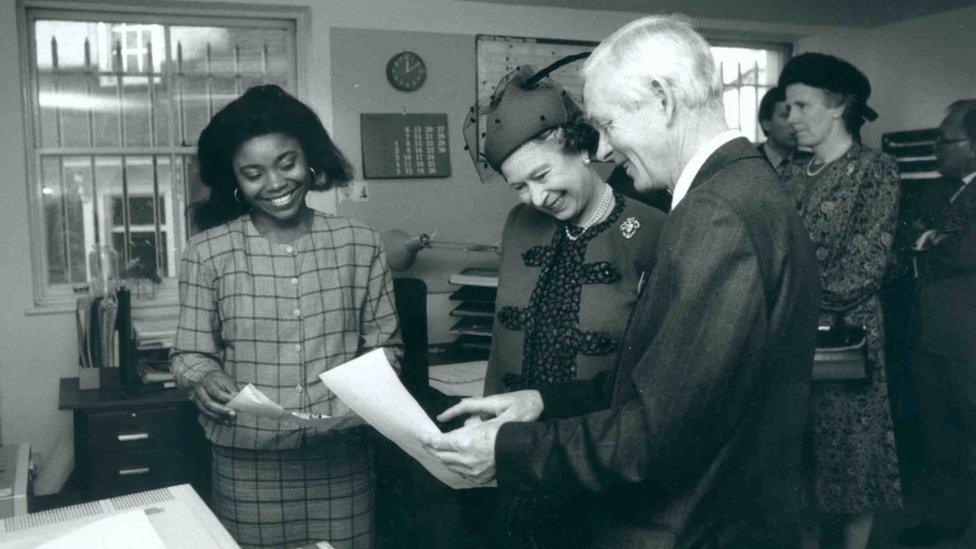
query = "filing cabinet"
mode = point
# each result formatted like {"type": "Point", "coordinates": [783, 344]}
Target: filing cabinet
{"type": "Point", "coordinates": [126, 444]}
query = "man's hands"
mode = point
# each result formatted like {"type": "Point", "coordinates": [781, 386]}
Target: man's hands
{"type": "Point", "coordinates": [502, 408]}
{"type": "Point", "coordinates": [211, 394]}
{"type": "Point", "coordinates": [470, 450]}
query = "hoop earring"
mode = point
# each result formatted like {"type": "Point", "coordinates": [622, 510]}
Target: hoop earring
{"type": "Point", "coordinates": [315, 176]}
{"type": "Point", "coordinates": [237, 197]}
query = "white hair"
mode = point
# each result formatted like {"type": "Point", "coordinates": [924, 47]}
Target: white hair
{"type": "Point", "coordinates": [663, 49]}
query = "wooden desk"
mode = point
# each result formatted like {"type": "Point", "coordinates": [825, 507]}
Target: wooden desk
{"type": "Point", "coordinates": [125, 444]}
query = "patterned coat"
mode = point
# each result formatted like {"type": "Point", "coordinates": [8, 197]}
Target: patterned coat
{"type": "Point", "coordinates": [563, 305]}
{"type": "Point", "coordinates": [851, 209]}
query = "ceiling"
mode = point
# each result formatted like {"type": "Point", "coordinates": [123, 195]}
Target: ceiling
{"type": "Point", "coordinates": [848, 13]}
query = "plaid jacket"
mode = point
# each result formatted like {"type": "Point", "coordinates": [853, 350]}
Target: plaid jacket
{"type": "Point", "coordinates": [279, 315]}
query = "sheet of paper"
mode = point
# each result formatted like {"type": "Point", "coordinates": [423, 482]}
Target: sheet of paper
{"type": "Point", "coordinates": [372, 389]}
{"type": "Point", "coordinates": [250, 400]}
{"type": "Point", "coordinates": [129, 530]}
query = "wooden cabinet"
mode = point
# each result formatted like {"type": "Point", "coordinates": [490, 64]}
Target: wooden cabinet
{"type": "Point", "coordinates": [125, 444]}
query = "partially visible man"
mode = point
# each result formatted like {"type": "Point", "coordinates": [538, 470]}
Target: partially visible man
{"type": "Point", "coordinates": [779, 149]}
{"type": "Point", "coordinates": [694, 440]}
{"type": "Point", "coordinates": [944, 362]}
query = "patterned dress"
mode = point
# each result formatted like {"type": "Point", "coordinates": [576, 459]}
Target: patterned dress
{"type": "Point", "coordinates": [563, 307]}
{"type": "Point", "coordinates": [850, 209]}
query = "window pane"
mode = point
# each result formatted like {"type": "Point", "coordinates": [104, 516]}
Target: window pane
{"type": "Point", "coordinates": [216, 64]}
{"type": "Point", "coordinates": [747, 73]}
{"type": "Point", "coordinates": [114, 85]}
{"type": "Point", "coordinates": [66, 196]}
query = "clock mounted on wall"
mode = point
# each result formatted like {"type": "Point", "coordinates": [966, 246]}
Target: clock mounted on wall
{"type": "Point", "coordinates": [406, 71]}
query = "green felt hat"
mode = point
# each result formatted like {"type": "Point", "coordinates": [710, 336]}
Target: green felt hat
{"type": "Point", "coordinates": [519, 114]}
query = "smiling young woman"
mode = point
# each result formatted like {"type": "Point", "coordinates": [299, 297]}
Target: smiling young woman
{"type": "Point", "coordinates": [275, 293]}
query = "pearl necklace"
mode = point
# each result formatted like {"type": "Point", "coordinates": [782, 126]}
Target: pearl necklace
{"type": "Point", "coordinates": [605, 204]}
{"type": "Point", "coordinates": [825, 164]}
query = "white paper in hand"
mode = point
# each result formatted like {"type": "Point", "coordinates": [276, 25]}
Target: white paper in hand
{"type": "Point", "coordinates": [250, 400]}
{"type": "Point", "coordinates": [372, 389]}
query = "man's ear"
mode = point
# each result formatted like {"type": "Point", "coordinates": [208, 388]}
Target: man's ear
{"type": "Point", "coordinates": [664, 99]}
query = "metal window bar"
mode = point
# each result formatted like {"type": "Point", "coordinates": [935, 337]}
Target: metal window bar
{"type": "Point", "coordinates": [89, 79]}
{"type": "Point", "coordinates": [179, 155]}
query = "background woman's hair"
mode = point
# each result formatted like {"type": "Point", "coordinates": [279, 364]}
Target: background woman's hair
{"type": "Point", "coordinates": [261, 110]}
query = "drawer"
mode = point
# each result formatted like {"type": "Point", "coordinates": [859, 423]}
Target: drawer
{"type": "Point", "coordinates": [133, 430]}
{"type": "Point", "coordinates": [122, 473]}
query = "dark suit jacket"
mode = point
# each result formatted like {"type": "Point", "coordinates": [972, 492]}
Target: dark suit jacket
{"type": "Point", "coordinates": [798, 156]}
{"type": "Point", "coordinates": [701, 443]}
{"type": "Point", "coordinates": [947, 296]}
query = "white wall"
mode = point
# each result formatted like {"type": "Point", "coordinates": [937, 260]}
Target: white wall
{"type": "Point", "coordinates": [37, 349]}
{"type": "Point", "coordinates": [916, 67]}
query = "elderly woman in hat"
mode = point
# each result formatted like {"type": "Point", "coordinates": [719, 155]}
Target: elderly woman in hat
{"type": "Point", "coordinates": [847, 195]}
{"type": "Point", "coordinates": [574, 255]}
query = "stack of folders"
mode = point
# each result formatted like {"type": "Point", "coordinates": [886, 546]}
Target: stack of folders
{"type": "Point", "coordinates": [95, 317]}
{"type": "Point", "coordinates": [154, 334]}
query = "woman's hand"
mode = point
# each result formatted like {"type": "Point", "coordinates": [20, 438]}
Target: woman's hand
{"type": "Point", "coordinates": [211, 394]}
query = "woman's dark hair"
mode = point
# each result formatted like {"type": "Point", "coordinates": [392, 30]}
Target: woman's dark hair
{"type": "Point", "coordinates": [576, 136]}
{"type": "Point", "coordinates": [262, 110]}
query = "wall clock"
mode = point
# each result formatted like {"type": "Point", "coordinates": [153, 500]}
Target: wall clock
{"type": "Point", "coordinates": [406, 71]}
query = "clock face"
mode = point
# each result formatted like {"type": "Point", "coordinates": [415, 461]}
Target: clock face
{"type": "Point", "coordinates": [406, 71]}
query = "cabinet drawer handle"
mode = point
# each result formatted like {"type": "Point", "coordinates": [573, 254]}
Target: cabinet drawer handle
{"type": "Point", "coordinates": [133, 436]}
{"type": "Point", "coordinates": [134, 471]}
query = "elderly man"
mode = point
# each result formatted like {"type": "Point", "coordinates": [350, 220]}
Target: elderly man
{"type": "Point", "coordinates": [944, 362]}
{"type": "Point", "coordinates": [779, 149]}
{"type": "Point", "coordinates": [694, 440]}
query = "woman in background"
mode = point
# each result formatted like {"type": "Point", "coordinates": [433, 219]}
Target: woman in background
{"type": "Point", "coordinates": [574, 255]}
{"type": "Point", "coordinates": [274, 293]}
{"type": "Point", "coordinates": [847, 195]}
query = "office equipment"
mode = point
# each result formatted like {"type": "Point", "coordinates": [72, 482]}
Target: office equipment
{"type": "Point", "coordinates": [125, 444]}
{"type": "Point", "coordinates": [402, 249]}
{"type": "Point", "coordinates": [475, 312]}
{"type": "Point", "coordinates": [398, 146]}
{"type": "Point", "coordinates": [14, 479]}
{"type": "Point", "coordinates": [176, 513]}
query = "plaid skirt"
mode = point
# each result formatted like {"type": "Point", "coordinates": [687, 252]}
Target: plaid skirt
{"type": "Point", "coordinates": [286, 498]}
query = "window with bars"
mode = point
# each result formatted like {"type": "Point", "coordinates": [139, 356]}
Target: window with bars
{"type": "Point", "coordinates": [116, 105]}
{"type": "Point", "coordinates": [748, 72]}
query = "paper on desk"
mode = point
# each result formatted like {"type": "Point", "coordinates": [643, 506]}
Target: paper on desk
{"type": "Point", "coordinates": [250, 400]}
{"type": "Point", "coordinates": [129, 530]}
{"type": "Point", "coordinates": [370, 387]}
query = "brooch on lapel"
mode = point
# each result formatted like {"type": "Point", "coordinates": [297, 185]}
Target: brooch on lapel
{"type": "Point", "coordinates": [629, 227]}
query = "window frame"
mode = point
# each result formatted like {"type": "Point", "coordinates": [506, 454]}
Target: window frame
{"type": "Point", "coordinates": [60, 297]}
{"type": "Point", "coordinates": [725, 40]}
